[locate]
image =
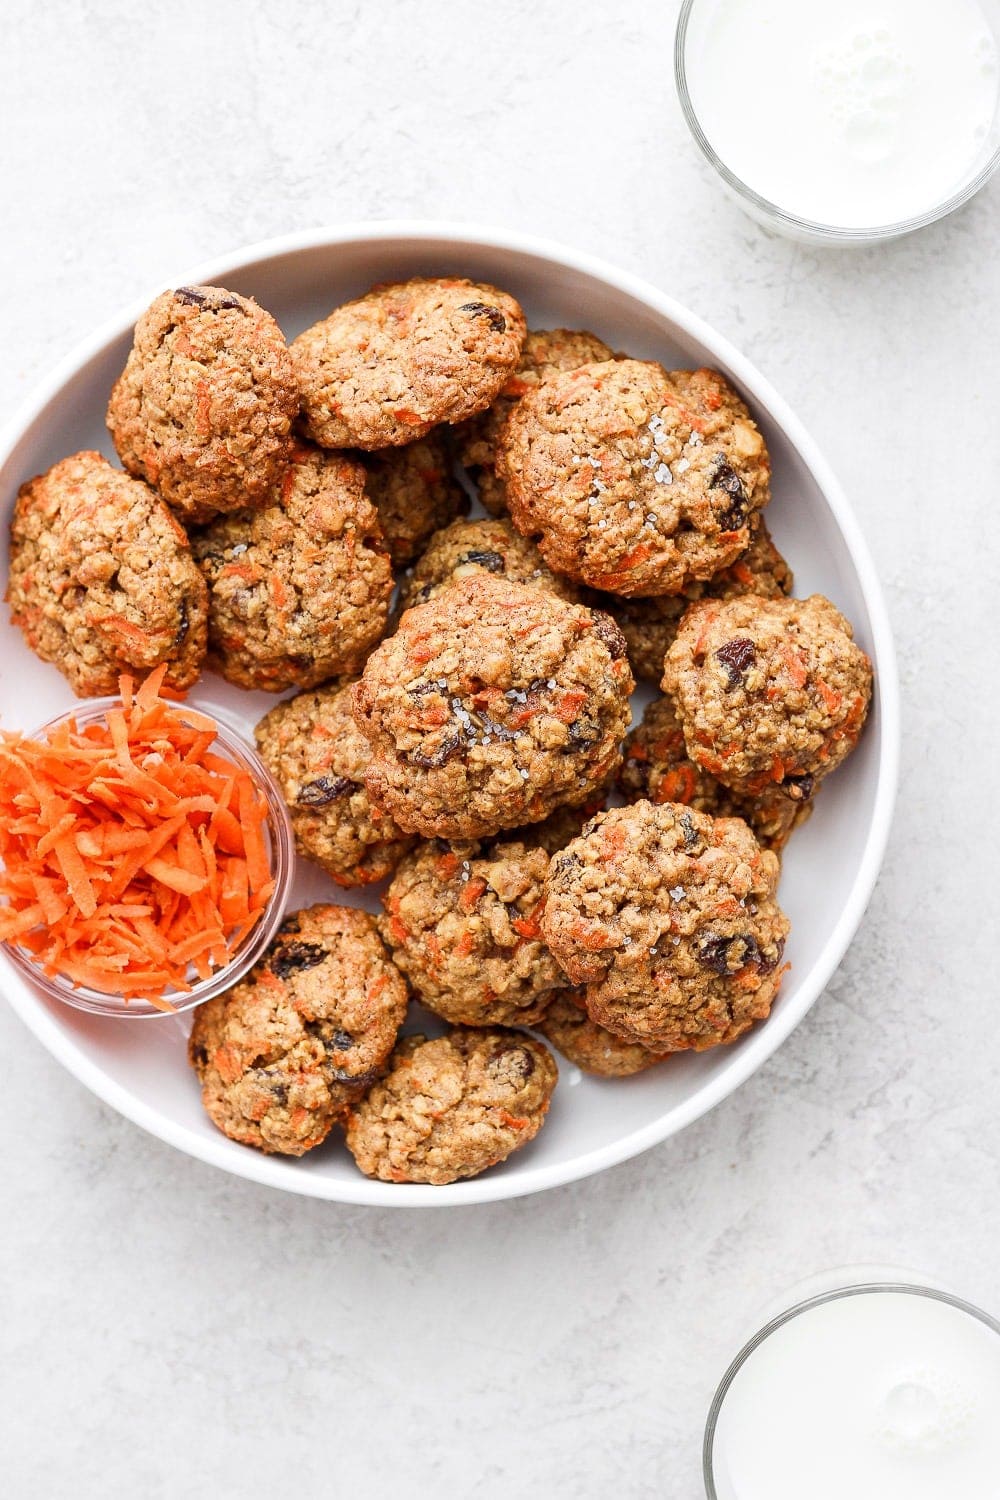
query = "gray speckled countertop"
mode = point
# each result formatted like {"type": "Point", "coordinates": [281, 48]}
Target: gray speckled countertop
{"type": "Point", "coordinates": [172, 1331]}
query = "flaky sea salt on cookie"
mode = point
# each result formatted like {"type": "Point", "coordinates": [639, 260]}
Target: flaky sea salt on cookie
{"type": "Point", "coordinates": [492, 705]}
{"type": "Point", "coordinates": [633, 479]}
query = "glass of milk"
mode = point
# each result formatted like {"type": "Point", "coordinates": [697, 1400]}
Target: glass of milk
{"type": "Point", "coordinates": [844, 121]}
{"type": "Point", "coordinates": [882, 1390]}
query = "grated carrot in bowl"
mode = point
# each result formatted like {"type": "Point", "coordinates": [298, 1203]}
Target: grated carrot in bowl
{"type": "Point", "coordinates": [134, 854]}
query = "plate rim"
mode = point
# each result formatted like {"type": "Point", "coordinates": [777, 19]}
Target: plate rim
{"type": "Point", "coordinates": [759, 1045]}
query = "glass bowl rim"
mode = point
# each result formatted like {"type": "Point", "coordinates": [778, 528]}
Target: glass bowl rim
{"type": "Point", "coordinates": [835, 1294]}
{"type": "Point", "coordinates": [795, 223]}
{"type": "Point", "coordinates": [96, 1002]}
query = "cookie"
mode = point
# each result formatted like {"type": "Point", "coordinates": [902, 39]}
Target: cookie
{"type": "Point", "coordinates": [415, 493]}
{"type": "Point", "coordinates": [204, 408]}
{"type": "Point", "coordinates": [462, 923]}
{"type": "Point", "coordinates": [669, 918]}
{"type": "Point", "coordinates": [452, 1107]}
{"type": "Point", "coordinates": [490, 546]}
{"type": "Point", "coordinates": [545, 351]}
{"type": "Point", "coordinates": [592, 1048]}
{"type": "Point", "coordinates": [102, 580]}
{"type": "Point", "coordinates": [650, 625]}
{"type": "Point", "coordinates": [284, 1053]}
{"type": "Point", "coordinates": [491, 706]}
{"type": "Point", "coordinates": [771, 693]}
{"type": "Point", "coordinates": [299, 591]}
{"type": "Point", "coordinates": [383, 370]}
{"type": "Point", "coordinates": [656, 767]}
{"type": "Point", "coordinates": [318, 757]}
{"type": "Point", "coordinates": [634, 480]}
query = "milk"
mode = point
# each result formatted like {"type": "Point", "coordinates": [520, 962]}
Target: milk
{"type": "Point", "coordinates": [851, 113]}
{"type": "Point", "coordinates": [876, 1396]}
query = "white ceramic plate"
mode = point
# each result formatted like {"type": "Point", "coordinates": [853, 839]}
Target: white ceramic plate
{"type": "Point", "coordinates": [139, 1067]}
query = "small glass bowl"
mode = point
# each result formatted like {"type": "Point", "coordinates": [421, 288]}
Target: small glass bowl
{"type": "Point", "coordinates": [832, 1293]}
{"type": "Point", "coordinates": [772, 216]}
{"type": "Point", "coordinates": [281, 848]}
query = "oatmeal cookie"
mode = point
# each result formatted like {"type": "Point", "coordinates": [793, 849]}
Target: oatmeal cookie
{"type": "Point", "coordinates": [546, 351]}
{"type": "Point", "coordinates": [415, 493]}
{"type": "Point", "coordinates": [204, 407]}
{"type": "Point", "coordinates": [771, 693]}
{"type": "Point", "coordinates": [102, 580]}
{"type": "Point", "coordinates": [632, 479]}
{"type": "Point", "coordinates": [383, 370]}
{"type": "Point", "coordinates": [492, 705]}
{"type": "Point", "coordinates": [491, 546]}
{"type": "Point", "coordinates": [657, 768]}
{"type": "Point", "coordinates": [318, 756]}
{"type": "Point", "coordinates": [452, 1107]}
{"type": "Point", "coordinates": [650, 625]}
{"type": "Point", "coordinates": [298, 592]}
{"type": "Point", "coordinates": [284, 1053]}
{"type": "Point", "coordinates": [462, 923]}
{"type": "Point", "coordinates": [668, 917]}
{"type": "Point", "coordinates": [593, 1048]}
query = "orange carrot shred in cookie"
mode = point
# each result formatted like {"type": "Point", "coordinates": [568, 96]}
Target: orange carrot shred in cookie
{"type": "Point", "coordinates": [132, 853]}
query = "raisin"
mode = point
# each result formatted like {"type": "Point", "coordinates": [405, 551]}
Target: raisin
{"type": "Point", "coordinates": [799, 788]}
{"type": "Point", "coordinates": [690, 832]}
{"type": "Point", "coordinates": [609, 635]}
{"type": "Point", "coordinates": [737, 656]}
{"type": "Point", "coordinates": [276, 1087]}
{"type": "Point", "coordinates": [291, 923]}
{"type": "Point", "coordinates": [728, 955]}
{"type": "Point", "coordinates": [295, 956]}
{"type": "Point", "coordinates": [725, 477]}
{"type": "Point", "coordinates": [361, 1080]}
{"type": "Point", "coordinates": [196, 296]}
{"type": "Point", "coordinates": [326, 789]}
{"type": "Point", "coordinates": [183, 625]}
{"type": "Point", "coordinates": [199, 1056]}
{"type": "Point", "coordinates": [483, 310]}
{"type": "Point", "coordinates": [584, 732]}
{"type": "Point", "coordinates": [491, 561]}
{"type": "Point", "coordinates": [336, 1041]}
{"type": "Point", "coordinates": [515, 1057]}
{"type": "Point", "coordinates": [448, 747]}
{"type": "Point", "coordinates": [565, 862]}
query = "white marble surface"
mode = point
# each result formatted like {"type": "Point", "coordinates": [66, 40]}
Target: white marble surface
{"type": "Point", "coordinates": [170, 1331]}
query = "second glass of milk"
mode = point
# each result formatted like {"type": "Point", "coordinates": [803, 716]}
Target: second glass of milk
{"type": "Point", "coordinates": [875, 1391]}
{"type": "Point", "coordinates": [847, 122]}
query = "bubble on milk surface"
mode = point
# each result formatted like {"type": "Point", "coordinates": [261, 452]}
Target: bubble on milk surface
{"type": "Point", "coordinates": [925, 1411]}
{"type": "Point", "coordinates": [863, 79]}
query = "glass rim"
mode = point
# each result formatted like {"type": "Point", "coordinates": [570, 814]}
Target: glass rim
{"type": "Point", "coordinates": [836, 234]}
{"type": "Point", "coordinates": [835, 1294]}
{"type": "Point", "coordinates": [282, 858]}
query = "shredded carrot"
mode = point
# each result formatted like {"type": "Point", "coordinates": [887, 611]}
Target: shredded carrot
{"type": "Point", "coordinates": [134, 856]}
